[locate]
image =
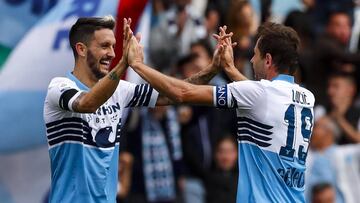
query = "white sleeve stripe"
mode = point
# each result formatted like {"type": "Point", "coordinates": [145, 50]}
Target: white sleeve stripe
{"type": "Point", "coordinates": [154, 98]}
{"type": "Point", "coordinates": [73, 99]}
{"type": "Point", "coordinates": [214, 96]}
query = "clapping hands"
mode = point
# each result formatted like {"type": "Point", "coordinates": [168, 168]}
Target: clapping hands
{"type": "Point", "coordinates": [223, 55]}
{"type": "Point", "coordinates": [132, 49]}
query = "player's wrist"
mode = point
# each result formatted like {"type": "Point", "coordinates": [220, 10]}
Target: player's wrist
{"type": "Point", "coordinates": [214, 67]}
{"type": "Point", "coordinates": [229, 67]}
{"type": "Point", "coordinates": [135, 64]}
{"type": "Point", "coordinates": [123, 62]}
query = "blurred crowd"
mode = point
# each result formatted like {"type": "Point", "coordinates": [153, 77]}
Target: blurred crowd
{"type": "Point", "coordinates": [189, 153]}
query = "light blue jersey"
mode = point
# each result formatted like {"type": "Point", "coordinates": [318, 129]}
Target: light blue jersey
{"type": "Point", "coordinates": [84, 147]}
{"type": "Point", "coordinates": [274, 121]}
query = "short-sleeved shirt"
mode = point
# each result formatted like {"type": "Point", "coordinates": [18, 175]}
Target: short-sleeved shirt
{"type": "Point", "coordinates": [83, 147]}
{"type": "Point", "coordinates": [274, 125]}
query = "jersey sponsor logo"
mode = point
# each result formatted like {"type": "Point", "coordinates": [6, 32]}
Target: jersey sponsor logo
{"type": "Point", "coordinates": [107, 109]}
{"type": "Point", "coordinates": [293, 177]}
{"type": "Point", "coordinates": [221, 96]}
{"type": "Point", "coordinates": [64, 86]}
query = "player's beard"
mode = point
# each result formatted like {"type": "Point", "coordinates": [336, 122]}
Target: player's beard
{"type": "Point", "coordinates": [94, 65]}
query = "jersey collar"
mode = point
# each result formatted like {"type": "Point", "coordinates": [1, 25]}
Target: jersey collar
{"type": "Point", "coordinates": [81, 85]}
{"type": "Point", "coordinates": [283, 77]}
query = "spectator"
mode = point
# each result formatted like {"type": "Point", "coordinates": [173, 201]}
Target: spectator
{"type": "Point", "coordinates": [223, 8]}
{"type": "Point", "coordinates": [265, 10]}
{"type": "Point", "coordinates": [171, 38]}
{"type": "Point", "coordinates": [242, 21]}
{"type": "Point", "coordinates": [221, 181]}
{"type": "Point", "coordinates": [303, 24]}
{"type": "Point", "coordinates": [319, 157]}
{"type": "Point", "coordinates": [323, 193]}
{"type": "Point", "coordinates": [212, 22]}
{"type": "Point", "coordinates": [341, 93]}
{"type": "Point", "coordinates": [152, 137]}
{"type": "Point", "coordinates": [335, 164]}
{"type": "Point", "coordinates": [125, 174]}
{"type": "Point", "coordinates": [325, 8]}
{"type": "Point", "coordinates": [203, 50]}
{"type": "Point", "coordinates": [200, 129]}
{"type": "Point", "coordinates": [159, 7]}
{"type": "Point", "coordinates": [331, 54]}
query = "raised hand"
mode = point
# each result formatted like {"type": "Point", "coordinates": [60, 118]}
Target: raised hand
{"type": "Point", "coordinates": [128, 34]}
{"type": "Point", "coordinates": [223, 55]}
{"type": "Point", "coordinates": [136, 52]}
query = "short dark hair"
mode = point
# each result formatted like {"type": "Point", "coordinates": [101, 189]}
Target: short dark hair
{"type": "Point", "coordinates": [224, 137]}
{"type": "Point", "coordinates": [205, 44]}
{"type": "Point", "coordinates": [186, 60]}
{"type": "Point", "coordinates": [84, 28]}
{"type": "Point", "coordinates": [336, 12]}
{"type": "Point", "coordinates": [320, 187]}
{"type": "Point", "coordinates": [282, 43]}
{"type": "Point", "coordinates": [341, 74]}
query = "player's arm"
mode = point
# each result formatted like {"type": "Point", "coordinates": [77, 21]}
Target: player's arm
{"type": "Point", "coordinates": [222, 59]}
{"type": "Point", "coordinates": [88, 102]}
{"type": "Point", "coordinates": [234, 74]}
{"type": "Point", "coordinates": [176, 90]}
{"type": "Point", "coordinates": [226, 59]}
{"type": "Point", "coordinates": [200, 78]}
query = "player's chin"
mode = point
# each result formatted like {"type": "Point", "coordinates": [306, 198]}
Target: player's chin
{"type": "Point", "coordinates": [105, 68]}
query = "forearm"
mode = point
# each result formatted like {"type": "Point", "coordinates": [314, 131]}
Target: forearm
{"type": "Point", "coordinates": [125, 181]}
{"type": "Point", "coordinates": [200, 78]}
{"type": "Point", "coordinates": [349, 130]}
{"type": "Point", "coordinates": [164, 101]}
{"type": "Point", "coordinates": [101, 92]}
{"type": "Point", "coordinates": [204, 76]}
{"type": "Point", "coordinates": [167, 86]}
{"type": "Point", "coordinates": [234, 74]}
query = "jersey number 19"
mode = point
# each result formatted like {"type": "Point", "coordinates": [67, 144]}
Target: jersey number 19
{"type": "Point", "coordinates": [288, 150]}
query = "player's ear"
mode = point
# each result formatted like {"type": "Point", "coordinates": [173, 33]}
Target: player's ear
{"type": "Point", "coordinates": [81, 49]}
{"type": "Point", "coordinates": [268, 60]}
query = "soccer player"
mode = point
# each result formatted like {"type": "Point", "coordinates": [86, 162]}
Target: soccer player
{"type": "Point", "coordinates": [83, 113]}
{"type": "Point", "coordinates": [274, 115]}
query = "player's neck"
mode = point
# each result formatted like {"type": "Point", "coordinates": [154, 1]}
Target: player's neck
{"type": "Point", "coordinates": [271, 74]}
{"type": "Point", "coordinates": [82, 72]}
